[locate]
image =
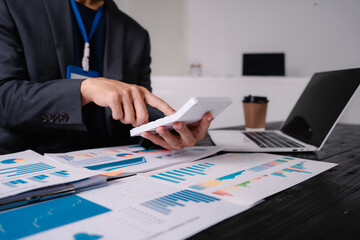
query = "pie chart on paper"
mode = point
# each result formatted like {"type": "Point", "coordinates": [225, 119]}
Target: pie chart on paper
{"type": "Point", "coordinates": [12, 160]}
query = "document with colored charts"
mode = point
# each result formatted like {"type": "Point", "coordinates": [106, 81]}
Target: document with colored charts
{"type": "Point", "coordinates": [241, 178]}
{"type": "Point", "coordinates": [127, 160]}
{"type": "Point", "coordinates": [25, 171]}
{"type": "Point", "coordinates": [128, 208]}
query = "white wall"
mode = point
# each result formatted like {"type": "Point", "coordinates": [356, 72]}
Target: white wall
{"type": "Point", "coordinates": [282, 92]}
{"type": "Point", "coordinates": [166, 22]}
{"type": "Point", "coordinates": [315, 35]}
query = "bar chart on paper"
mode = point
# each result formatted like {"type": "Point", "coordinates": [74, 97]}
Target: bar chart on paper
{"type": "Point", "coordinates": [182, 174]}
{"type": "Point", "coordinates": [208, 173]}
{"type": "Point", "coordinates": [142, 209]}
{"type": "Point", "coordinates": [242, 178]}
{"type": "Point", "coordinates": [165, 204]}
{"type": "Point", "coordinates": [28, 170]}
{"type": "Point", "coordinates": [131, 159]}
{"type": "Point", "coordinates": [24, 169]}
{"type": "Point", "coordinates": [203, 174]}
{"type": "Point", "coordinates": [111, 166]}
{"type": "Point", "coordinates": [256, 188]}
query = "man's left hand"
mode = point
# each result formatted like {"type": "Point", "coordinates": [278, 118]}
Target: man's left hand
{"type": "Point", "coordinates": [183, 136]}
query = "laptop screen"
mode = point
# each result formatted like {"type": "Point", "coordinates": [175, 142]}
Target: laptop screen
{"type": "Point", "coordinates": [320, 105]}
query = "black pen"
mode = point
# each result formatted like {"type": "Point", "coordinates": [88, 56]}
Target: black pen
{"type": "Point", "coordinates": [51, 192]}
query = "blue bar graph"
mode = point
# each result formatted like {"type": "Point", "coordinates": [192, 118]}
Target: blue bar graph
{"type": "Point", "coordinates": [62, 173]}
{"type": "Point", "coordinates": [14, 183]}
{"type": "Point", "coordinates": [39, 178]}
{"type": "Point", "coordinates": [179, 199]}
{"type": "Point", "coordinates": [21, 170]}
{"type": "Point", "coordinates": [118, 164]}
{"type": "Point", "coordinates": [180, 175]}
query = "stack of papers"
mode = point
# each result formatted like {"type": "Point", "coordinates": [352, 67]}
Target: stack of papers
{"type": "Point", "coordinates": [176, 199]}
{"type": "Point", "coordinates": [28, 176]}
{"type": "Point", "coordinates": [128, 160]}
{"type": "Point", "coordinates": [128, 208]}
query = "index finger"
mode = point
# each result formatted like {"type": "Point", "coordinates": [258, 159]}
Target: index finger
{"type": "Point", "coordinates": [158, 103]}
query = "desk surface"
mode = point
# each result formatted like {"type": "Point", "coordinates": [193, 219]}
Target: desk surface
{"type": "Point", "coordinates": [323, 207]}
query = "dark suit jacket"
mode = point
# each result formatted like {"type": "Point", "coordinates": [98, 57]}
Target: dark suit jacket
{"type": "Point", "coordinates": [39, 108]}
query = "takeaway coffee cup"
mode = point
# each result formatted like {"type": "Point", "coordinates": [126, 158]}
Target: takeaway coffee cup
{"type": "Point", "coordinates": [255, 112]}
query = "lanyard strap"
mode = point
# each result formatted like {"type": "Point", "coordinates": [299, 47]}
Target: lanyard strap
{"type": "Point", "coordinates": [85, 60]}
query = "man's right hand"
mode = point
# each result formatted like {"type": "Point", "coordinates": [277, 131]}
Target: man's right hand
{"type": "Point", "coordinates": [127, 101]}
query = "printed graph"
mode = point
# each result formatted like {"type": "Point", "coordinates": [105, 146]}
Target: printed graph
{"type": "Point", "coordinates": [180, 175]}
{"type": "Point", "coordinates": [225, 191]}
{"type": "Point", "coordinates": [26, 169]}
{"type": "Point", "coordinates": [299, 168]}
{"type": "Point", "coordinates": [118, 164]}
{"type": "Point", "coordinates": [47, 215]}
{"type": "Point", "coordinates": [125, 155]}
{"type": "Point", "coordinates": [12, 161]}
{"type": "Point", "coordinates": [40, 178]}
{"type": "Point", "coordinates": [217, 181]}
{"type": "Point", "coordinates": [73, 157]}
{"type": "Point", "coordinates": [271, 164]}
{"type": "Point", "coordinates": [62, 173]}
{"type": "Point", "coordinates": [14, 183]}
{"type": "Point", "coordinates": [165, 204]}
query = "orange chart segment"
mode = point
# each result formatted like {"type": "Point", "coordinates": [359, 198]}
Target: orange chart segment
{"type": "Point", "coordinates": [12, 161]}
{"type": "Point", "coordinates": [295, 168]}
{"type": "Point", "coordinates": [224, 192]}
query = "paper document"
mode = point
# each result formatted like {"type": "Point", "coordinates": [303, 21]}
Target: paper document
{"type": "Point", "coordinates": [131, 159]}
{"type": "Point", "coordinates": [242, 178]}
{"type": "Point", "coordinates": [128, 208]}
{"type": "Point", "coordinates": [25, 171]}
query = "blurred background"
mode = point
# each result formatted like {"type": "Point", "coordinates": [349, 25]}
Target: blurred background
{"type": "Point", "coordinates": [208, 38]}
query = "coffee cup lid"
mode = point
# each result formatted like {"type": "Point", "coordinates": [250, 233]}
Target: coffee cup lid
{"type": "Point", "coordinates": [255, 99]}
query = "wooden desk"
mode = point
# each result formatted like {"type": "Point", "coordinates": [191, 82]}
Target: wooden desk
{"type": "Point", "coordinates": [326, 206]}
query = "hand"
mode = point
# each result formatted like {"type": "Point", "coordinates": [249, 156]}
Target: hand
{"type": "Point", "coordinates": [185, 136]}
{"type": "Point", "coordinates": [127, 101]}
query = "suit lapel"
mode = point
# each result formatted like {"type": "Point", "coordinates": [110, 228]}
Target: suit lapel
{"type": "Point", "coordinates": [114, 43]}
{"type": "Point", "coordinates": [61, 26]}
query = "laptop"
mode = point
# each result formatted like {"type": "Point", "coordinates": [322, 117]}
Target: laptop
{"type": "Point", "coordinates": [309, 123]}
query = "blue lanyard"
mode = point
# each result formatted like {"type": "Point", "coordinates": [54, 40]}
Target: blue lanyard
{"type": "Point", "coordinates": [85, 60]}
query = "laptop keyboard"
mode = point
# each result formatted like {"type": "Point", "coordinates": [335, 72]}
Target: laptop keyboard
{"type": "Point", "coordinates": [271, 140]}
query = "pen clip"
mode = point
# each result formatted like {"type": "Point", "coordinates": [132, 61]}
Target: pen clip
{"type": "Point", "coordinates": [52, 194]}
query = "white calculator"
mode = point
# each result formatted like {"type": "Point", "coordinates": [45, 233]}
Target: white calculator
{"type": "Point", "coordinates": [192, 111]}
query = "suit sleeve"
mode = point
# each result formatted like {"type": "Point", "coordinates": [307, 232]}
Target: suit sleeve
{"type": "Point", "coordinates": [30, 104]}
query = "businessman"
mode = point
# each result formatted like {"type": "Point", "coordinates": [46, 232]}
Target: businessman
{"type": "Point", "coordinates": [75, 74]}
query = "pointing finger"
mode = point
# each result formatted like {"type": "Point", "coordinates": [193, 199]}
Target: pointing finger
{"type": "Point", "coordinates": [158, 103]}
